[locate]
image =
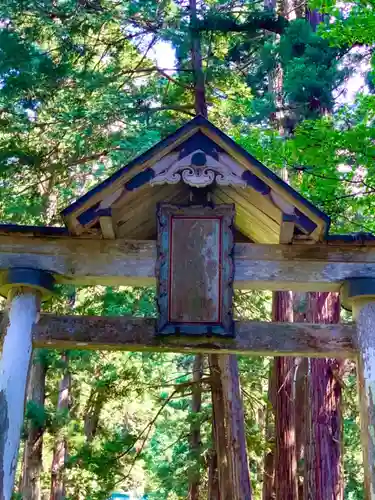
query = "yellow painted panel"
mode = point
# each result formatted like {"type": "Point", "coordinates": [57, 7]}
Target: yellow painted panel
{"type": "Point", "coordinates": [130, 174]}
{"type": "Point", "coordinates": [253, 211]}
{"type": "Point", "coordinates": [145, 210]}
{"type": "Point", "coordinates": [252, 167]}
{"type": "Point", "coordinates": [148, 228]}
{"type": "Point", "coordinates": [147, 197]}
{"type": "Point", "coordinates": [262, 202]}
{"type": "Point", "coordinates": [248, 225]}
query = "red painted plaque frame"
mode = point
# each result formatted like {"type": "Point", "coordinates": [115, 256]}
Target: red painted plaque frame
{"type": "Point", "coordinates": [195, 270]}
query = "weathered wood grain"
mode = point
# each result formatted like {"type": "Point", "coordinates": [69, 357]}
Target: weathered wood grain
{"type": "Point", "coordinates": [364, 312]}
{"type": "Point", "coordinates": [252, 338]}
{"type": "Point", "coordinates": [85, 261]}
{"type": "Point", "coordinates": [16, 348]}
{"type": "Point", "coordinates": [194, 273]}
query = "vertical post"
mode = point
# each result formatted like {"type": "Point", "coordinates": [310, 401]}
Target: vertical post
{"type": "Point", "coordinates": [359, 294]}
{"type": "Point", "coordinates": [24, 288]}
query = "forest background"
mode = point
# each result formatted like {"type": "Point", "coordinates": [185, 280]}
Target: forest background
{"type": "Point", "coordinates": [83, 90]}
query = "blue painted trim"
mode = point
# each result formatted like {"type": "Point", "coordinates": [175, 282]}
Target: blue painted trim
{"type": "Point", "coordinates": [196, 122]}
{"type": "Point", "coordinates": [29, 276]}
{"type": "Point", "coordinates": [140, 179]}
{"type": "Point", "coordinates": [289, 218]}
{"type": "Point", "coordinates": [305, 222]}
{"type": "Point", "coordinates": [38, 279]}
{"type": "Point", "coordinates": [360, 287]}
{"type": "Point", "coordinates": [93, 213]}
{"type": "Point", "coordinates": [351, 237]}
{"type": "Point", "coordinates": [253, 181]}
{"type": "Point", "coordinates": [36, 230]}
{"type": "Point", "coordinates": [266, 171]}
{"type": "Point", "coordinates": [85, 217]}
{"type": "Point", "coordinates": [199, 141]}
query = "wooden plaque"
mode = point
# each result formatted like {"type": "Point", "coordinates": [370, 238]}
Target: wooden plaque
{"type": "Point", "coordinates": [195, 270]}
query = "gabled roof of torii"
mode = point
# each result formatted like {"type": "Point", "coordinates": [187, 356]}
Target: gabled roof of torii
{"type": "Point", "coordinates": [196, 155]}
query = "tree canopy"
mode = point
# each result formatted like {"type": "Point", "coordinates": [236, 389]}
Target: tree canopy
{"type": "Point", "coordinates": [86, 86]}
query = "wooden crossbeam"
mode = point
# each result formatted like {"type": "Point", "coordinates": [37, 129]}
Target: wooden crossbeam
{"type": "Point", "coordinates": [81, 261]}
{"type": "Point", "coordinates": [252, 338]}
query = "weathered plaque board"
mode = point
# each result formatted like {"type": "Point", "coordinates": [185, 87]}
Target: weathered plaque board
{"type": "Point", "coordinates": [195, 270]}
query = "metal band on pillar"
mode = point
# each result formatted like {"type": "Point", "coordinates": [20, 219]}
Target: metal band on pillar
{"type": "Point", "coordinates": [358, 295]}
{"type": "Point", "coordinates": [24, 288]}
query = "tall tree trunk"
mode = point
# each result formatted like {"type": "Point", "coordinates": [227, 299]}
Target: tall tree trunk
{"type": "Point", "coordinates": [32, 458]}
{"type": "Point", "coordinates": [213, 492]}
{"type": "Point", "coordinates": [195, 432]}
{"type": "Point", "coordinates": [235, 428]}
{"type": "Point", "coordinates": [268, 490]}
{"type": "Point", "coordinates": [228, 417]}
{"type": "Point", "coordinates": [97, 398]}
{"type": "Point", "coordinates": [196, 59]}
{"type": "Point", "coordinates": [301, 409]}
{"type": "Point", "coordinates": [60, 449]}
{"type": "Point", "coordinates": [229, 429]}
{"type": "Point", "coordinates": [323, 452]}
{"type": "Point", "coordinates": [219, 430]}
{"type": "Point", "coordinates": [285, 452]}
{"type": "Point", "coordinates": [300, 305]}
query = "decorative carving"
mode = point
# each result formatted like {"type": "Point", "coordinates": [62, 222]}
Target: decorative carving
{"type": "Point", "coordinates": [199, 170]}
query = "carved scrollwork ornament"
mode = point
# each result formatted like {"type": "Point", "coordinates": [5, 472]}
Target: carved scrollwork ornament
{"type": "Point", "coordinates": [200, 170]}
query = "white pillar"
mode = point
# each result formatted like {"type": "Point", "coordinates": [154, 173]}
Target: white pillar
{"type": "Point", "coordinates": [359, 295]}
{"type": "Point", "coordinates": [14, 368]}
{"type": "Point", "coordinates": [364, 313]}
{"type": "Point", "coordinates": [24, 288]}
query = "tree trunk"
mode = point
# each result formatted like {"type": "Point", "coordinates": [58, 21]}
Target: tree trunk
{"type": "Point", "coordinates": [195, 433]}
{"type": "Point", "coordinates": [93, 409]}
{"type": "Point", "coordinates": [235, 426]}
{"type": "Point", "coordinates": [285, 452]}
{"type": "Point", "coordinates": [229, 429]}
{"type": "Point", "coordinates": [60, 449]}
{"type": "Point", "coordinates": [300, 305]}
{"type": "Point", "coordinates": [228, 418]}
{"type": "Point", "coordinates": [196, 59]}
{"type": "Point", "coordinates": [268, 490]}
{"type": "Point", "coordinates": [32, 459]}
{"type": "Point", "coordinates": [213, 479]}
{"type": "Point", "coordinates": [323, 469]}
{"type": "Point", "coordinates": [219, 430]}
{"type": "Point", "coordinates": [301, 409]}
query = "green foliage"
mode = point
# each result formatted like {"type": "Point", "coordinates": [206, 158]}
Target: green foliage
{"type": "Point", "coordinates": [36, 414]}
{"type": "Point", "coordinates": [80, 96]}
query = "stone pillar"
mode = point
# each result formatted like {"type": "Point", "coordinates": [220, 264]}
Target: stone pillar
{"type": "Point", "coordinates": [24, 289]}
{"type": "Point", "coordinates": [358, 294]}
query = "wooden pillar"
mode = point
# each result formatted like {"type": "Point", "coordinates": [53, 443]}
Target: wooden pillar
{"type": "Point", "coordinates": [24, 288]}
{"type": "Point", "coordinates": [359, 294]}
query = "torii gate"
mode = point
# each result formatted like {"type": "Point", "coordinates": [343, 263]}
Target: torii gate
{"type": "Point", "coordinates": [280, 241]}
